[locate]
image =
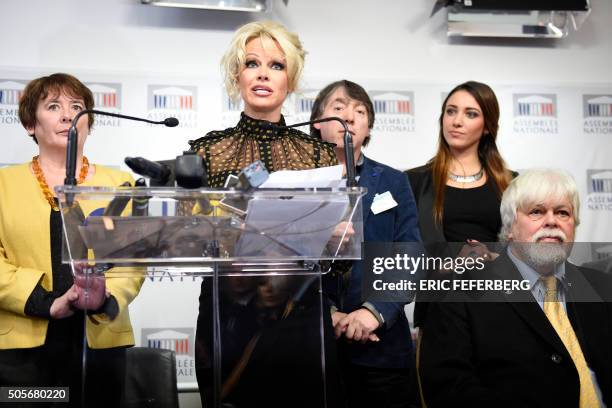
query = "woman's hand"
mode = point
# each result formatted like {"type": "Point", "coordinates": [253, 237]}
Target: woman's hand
{"type": "Point", "coordinates": [89, 287]}
{"type": "Point", "coordinates": [341, 236]}
{"type": "Point", "coordinates": [91, 292]}
{"type": "Point", "coordinates": [62, 306]}
{"type": "Point", "coordinates": [476, 249]}
{"type": "Point", "coordinates": [471, 249]}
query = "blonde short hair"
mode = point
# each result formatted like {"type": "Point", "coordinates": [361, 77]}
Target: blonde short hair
{"type": "Point", "coordinates": [532, 187]}
{"type": "Point", "coordinates": [234, 59]}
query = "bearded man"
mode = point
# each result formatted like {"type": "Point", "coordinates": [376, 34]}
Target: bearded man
{"type": "Point", "coordinates": [546, 346]}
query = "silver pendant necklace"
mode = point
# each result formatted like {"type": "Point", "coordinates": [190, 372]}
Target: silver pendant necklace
{"type": "Point", "coordinates": [467, 179]}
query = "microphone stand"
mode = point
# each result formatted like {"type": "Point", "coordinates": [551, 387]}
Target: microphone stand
{"type": "Point", "coordinates": [349, 150]}
{"type": "Point", "coordinates": [73, 139]}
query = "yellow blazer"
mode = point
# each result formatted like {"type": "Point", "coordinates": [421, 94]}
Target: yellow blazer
{"type": "Point", "coordinates": [25, 260]}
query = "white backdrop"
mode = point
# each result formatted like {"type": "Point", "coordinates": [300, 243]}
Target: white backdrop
{"type": "Point", "coordinates": [555, 95]}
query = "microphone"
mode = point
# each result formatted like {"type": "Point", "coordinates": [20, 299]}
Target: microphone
{"type": "Point", "coordinates": [250, 178]}
{"type": "Point", "coordinates": [190, 171]}
{"type": "Point", "coordinates": [349, 150]}
{"type": "Point", "coordinates": [71, 150]}
{"type": "Point", "coordinates": [117, 204]}
{"type": "Point", "coordinates": [157, 172]}
{"type": "Point", "coordinates": [170, 122]}
{"type": "Point", "coordinates": [187, 170]}
{"type": "Point", "coordinates": [140, 205]}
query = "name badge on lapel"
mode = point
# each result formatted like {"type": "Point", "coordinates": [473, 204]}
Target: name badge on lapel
{"type": "Point", "coordinates": [383, 202]}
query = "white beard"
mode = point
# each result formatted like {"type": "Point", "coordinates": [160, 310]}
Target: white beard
{"type": "Point", "coordinates": [541, 255]}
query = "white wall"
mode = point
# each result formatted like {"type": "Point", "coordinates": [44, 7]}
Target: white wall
{"type": "Point", "coordinates": [392, 39]}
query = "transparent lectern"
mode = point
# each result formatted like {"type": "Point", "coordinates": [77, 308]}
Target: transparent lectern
{"type": "Point", "coordinates": [259, 335]}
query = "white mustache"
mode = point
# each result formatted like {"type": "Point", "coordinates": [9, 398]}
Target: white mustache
{"type": "Point", "coordinates": [549, 233]}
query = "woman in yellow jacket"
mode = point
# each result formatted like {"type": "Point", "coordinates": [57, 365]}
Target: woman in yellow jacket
{"type": "Point", "coordinates": [42, 310]}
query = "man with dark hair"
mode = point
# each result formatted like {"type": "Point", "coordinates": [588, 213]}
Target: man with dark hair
{"type": "Point", "coordinates": [374, 337]}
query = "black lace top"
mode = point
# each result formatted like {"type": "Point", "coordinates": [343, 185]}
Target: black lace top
{"type": "Point", "coordinates": [228, 151]}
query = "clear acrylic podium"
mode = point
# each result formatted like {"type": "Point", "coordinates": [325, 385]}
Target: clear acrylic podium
{"type": "Point", "coordinates": [259, 335]}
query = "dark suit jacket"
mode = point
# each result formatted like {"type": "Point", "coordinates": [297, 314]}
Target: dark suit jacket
{"type": "Point", "coordinates": [421, 182]}
{"type": "Point", "coordinates": [507, 354]}
{"type": "Point", "coordinates": [398, 224]}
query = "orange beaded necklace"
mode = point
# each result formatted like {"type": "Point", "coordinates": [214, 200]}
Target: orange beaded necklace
{"type": "Point", "coordinates": [43, 183]}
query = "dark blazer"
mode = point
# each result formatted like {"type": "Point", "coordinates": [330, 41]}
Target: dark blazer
{"type": "Point", "coordinates": [507, 354]}
{"type": "Point", "coordinates": [421, 182]}
{"type": "Point", "coordinates": [398, 224]}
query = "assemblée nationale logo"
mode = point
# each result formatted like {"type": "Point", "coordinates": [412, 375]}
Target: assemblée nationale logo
{"type": "Point", "coordinates": [179, 340]}
{"type": "Point", "coordinates": [230, 110]}
{"type": "Point", "coordinates": [177, 101]}
{"type": "Point", "coordinates": [107, 97]}
{"type": "Point", "coordinates": [535, 114]}
{"type": "Point", "coordinates": [305, 102]}
{"type": "Point", "coordinates": [599, 188]}
{"type": "Point", "coordinates": [394, 111]}
{"type": "Point", "coordinates": [597, 113]}
{"type": "Point", "coordinates": [10, 93]}
{"type": "Point", "coordinates": [302, 107]}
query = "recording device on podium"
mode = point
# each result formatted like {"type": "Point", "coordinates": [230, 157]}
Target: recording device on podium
{"type": "Point", "coordinates": [249, 178]}
{"type": "Point", "coordinates": [159, 173]}
{"type": "Point", "coordinates": [187, 170]}
{"type": "Point", "coordinates": [140, 205]}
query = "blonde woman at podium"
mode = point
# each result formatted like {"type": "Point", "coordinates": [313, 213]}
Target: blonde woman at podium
{"type": "Point", "coordinates": [43, 309]}
{"type": "Point", "coordinates": [262, 67]}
